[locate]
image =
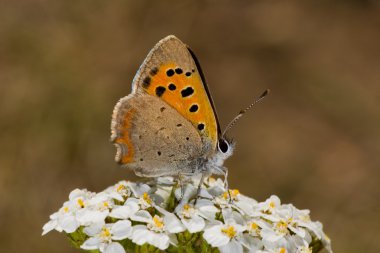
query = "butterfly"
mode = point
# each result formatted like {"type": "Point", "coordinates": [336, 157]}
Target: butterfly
{"type": "Point", "coordinates": [168, 125]}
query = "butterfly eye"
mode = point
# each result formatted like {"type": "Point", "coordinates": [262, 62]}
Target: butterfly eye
{"type": "Point", "coordinates": [223, 145]}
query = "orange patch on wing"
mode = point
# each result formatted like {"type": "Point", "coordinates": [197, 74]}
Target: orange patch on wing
{"type": "Point", "coordinates": [124, 138]}
{"type": "Point", "coordinates": [204, 113]}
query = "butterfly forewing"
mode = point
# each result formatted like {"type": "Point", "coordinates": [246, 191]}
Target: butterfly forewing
{"type": "Point", "coordinates": [170, 73]}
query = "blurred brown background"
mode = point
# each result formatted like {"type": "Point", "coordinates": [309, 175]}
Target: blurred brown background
{"type": "Point", "coordinates": [315, 141]}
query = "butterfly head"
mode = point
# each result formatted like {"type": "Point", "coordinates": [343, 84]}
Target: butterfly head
{"type": "Point", "coordinates": [225, 146]}
{"type": "Point", "coordinates": [224, 150]}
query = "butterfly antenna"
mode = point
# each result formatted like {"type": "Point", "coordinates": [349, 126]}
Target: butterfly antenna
{"type": "Point", "coordinates": [241, 113]}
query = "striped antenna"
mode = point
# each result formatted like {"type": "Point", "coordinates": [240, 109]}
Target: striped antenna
{"type": "Point", "coordinates": [241, 113]}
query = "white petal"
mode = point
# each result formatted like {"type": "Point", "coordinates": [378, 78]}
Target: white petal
{"type": "Point", "coordinates": [204, 203]}
{"type": "Point", "coordinates": [91, 244]}
{"type": "Point", "coordinates": [99, 198]}
{"type": "Point", "coordinates": [123, 212]}
{"type": "Point", "coordinates": [275, 199]}
{"type": "Point", "coordinates": [205, 194]}
{"type": "Point", "coordinates": [142, 216]}
{"type": "Point", "coordinates": [163, 211]}
{"type": "Point", "coordinates": [140, 234]}
{"type": "Point", "coordinates": [86, 216]}
{"type": "Point", "coordinates": [232, 247]}
{"type": "Point", "coordinates": [315, 227]}
{"type": "Point", "coordinates": [173, 239]}
{"type": "Point", "coordinates": [271, 217]}
{"type": "Point", "coordinates": [270, 235]}
{"type": "Point", "coordinates": [195, 224]}
{"type": "Point", "coordinates": [173, 224]}
{"type": "Point", "coordinates": [68, 223]}
{"type": "Point", "coordinates": [165, 181]}
{"type": "Point", "coordinates": [138, 189]}
{"type": "Point", "coordinates": [121, 230]}
{"type": "Point", "coordinates": [214, 236]}
{"type": "Point", "coordinates": [114, 247]}
{"type": "Point", "coordinates": [275, 246]}
{"type": "Point", "coordinates": [238, 218]}
{"type": "Point", "coordinates": [132, 201]}
{"type": "Point", "coordinates": [76, 193]}
{"type": "Point", "coordinates": [93, 229]}
{"type": "Point", "coordinates": [245, 207]}
{"type": "Point", "coordinates": [227, 214]}
{"type": "Point", "coordinates": [160, 241]}
{"type": "Point", "coordinates": [239, 228]}
{"type": "Point", "coordinates": [297, 230]}
{"type": "Point", "coordinates": [116, 195]}
{"type": "Point", "coordinates": [216, 190]}
{"type": "Point", "coordinates": [189, 192]}
{"type": "Point", "coordinates": [252, 243]}
{"type": "Point", "coordinates": [55, 215]}
{"type": "Point", "coordinates": [207, 209]}
{"type": "Point", "coordinates": [49, 226]}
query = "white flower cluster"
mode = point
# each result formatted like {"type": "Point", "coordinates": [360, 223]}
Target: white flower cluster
{"type": "Point", "coordinates": [137, 214]}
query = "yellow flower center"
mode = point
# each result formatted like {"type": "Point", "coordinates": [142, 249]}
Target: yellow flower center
{"type": "Point", "coordinates": [120, 188]}
{"type": "Point", "coordinates": [254, 226]}
{"type": "Point", "coordinates": [233, 193]}
{"type": "Point", "coordinates": [105, 233]}
{"type": "Point", "coordinates": [229, 231]}
{"type": "Point", "coordinates": [272, 205]}
{"type": "Point", "coordinates": [158, 222]}
{"type": "Point", "coordinates": [80, 203]}
{"type": "Point", "coordinates": [65, 209]}
{"type": "Point", "coordinates": [105, 204]}
{"type": "Point", "coordinates": [282, 250]}
{"type": "Point", "coordinates": [282, 227]}
{"type": "Point", "coordinates": [147, 198]}
{"type": "Point", "coordinates": [188, 211]}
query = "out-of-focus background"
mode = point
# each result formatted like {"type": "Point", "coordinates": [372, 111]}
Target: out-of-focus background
{"type": "Point", "coordinates": [314, 142]}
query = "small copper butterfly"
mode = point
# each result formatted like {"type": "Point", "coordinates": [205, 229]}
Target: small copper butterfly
{"type": "Point", "coordinates": [168, 125]}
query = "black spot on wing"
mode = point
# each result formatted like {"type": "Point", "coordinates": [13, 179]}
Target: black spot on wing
{"type": "Point", "coordinates": [193, 108]}
{"type": "Point", "coordinates": [146, 82]}
{"type": "Point", "coordinates": [170, 72]}
{"type": "Point", "coordinates": [172, 86]}
{"type": "Point", "coordinates": [201, 126]}
{"type": "Point", "coordinates": [153, 71]}
{"type": "Point", "coordinates": [187, 92]}
{"type": "Point", "coordinates": [160, 91]}
{"type": "Point", "coordinates": [178, 71]}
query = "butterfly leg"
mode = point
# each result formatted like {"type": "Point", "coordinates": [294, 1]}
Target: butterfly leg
{"type": "Point", "coordinates": [182, 185]}
{"type": "Point", "coordinates": [199, 187]}
{"type": "Point", "coordinates": [225, 170]}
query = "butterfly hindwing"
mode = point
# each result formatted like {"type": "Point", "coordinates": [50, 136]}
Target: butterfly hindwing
{"type": "Point", "coordinates": [152, 138]}
{"type": "Point", "coordinates": [170, 73]}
